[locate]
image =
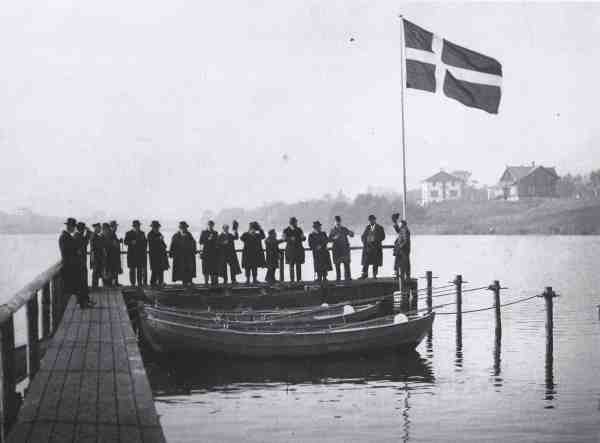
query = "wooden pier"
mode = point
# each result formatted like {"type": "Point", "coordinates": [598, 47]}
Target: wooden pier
{"type": "Point", "coordinates": [90, 385]}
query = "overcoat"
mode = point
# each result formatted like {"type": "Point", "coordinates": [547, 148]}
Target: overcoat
{"type": "Point", "coordinates": [113, 254]}
{"type": "Point", "coordinates": [294, 250]}
{"type": "Point", "coordinates": [372, 238]}
{"type": "Point", "coordinates": [340, 244]}
{"type": "Point", "coordinates": [209, 240]}
{"type": "Point", "coordinates": [402, 247]}
{"type": "Point", "coordinates": [317, 241]}
{"type": "Point", "coordinates": [70, 252]}
{"type": "Point", "coordinates": [227, 254]}
{"type": "Point", "coordinates": [158, 252]}
{"type": "Point", "coordinates": [183, 251]}
{"type": "Point", "coordinates": [253, 255]}
{"type": "Point", "coordinates": [136, 249]}
{"type": "Point", "coordinates": [98, 253]}
{"type": "Point", "coordinates": [273, 252]}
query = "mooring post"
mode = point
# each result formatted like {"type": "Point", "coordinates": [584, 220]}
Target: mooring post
{"type": "Point", "coordinates": [33, 335]}
{"type": "Point", "coordinates": [549, 296]}
{"type": "Point", "coordinates": [8, 397]}
{"type": "Point", "coordinates": [495, 288]}
{"type": "Point", "coordinates": [429, 279]}
{"type": "Point", "coordinates": [458, 282]}
{"type": "Point", "coordinates": [46, 310]}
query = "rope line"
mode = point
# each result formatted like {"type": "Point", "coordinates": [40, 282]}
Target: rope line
{"type": "Point", "coordinates": [488, 308]}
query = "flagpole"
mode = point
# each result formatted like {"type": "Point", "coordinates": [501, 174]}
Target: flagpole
{"type": "Point", "coordinates": [402, 102]}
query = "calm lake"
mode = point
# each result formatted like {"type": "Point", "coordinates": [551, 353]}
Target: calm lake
{"type": "Point", "coordinates": [456, 387]}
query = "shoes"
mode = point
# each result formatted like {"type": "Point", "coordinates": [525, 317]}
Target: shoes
{"type": "Point", "coordinates": [363, 277]}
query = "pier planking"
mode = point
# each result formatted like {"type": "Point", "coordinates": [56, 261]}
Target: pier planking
{"type": "Point", "coordinates": [92, 385]}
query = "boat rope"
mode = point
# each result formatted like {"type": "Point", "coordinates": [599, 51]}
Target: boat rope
{"type": "Point", "coordinates": [514, 302]}
{"type": "Point", "coordinates": [446, 293]}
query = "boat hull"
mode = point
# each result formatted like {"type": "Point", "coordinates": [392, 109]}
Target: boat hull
{"type": "Point", "coordinates": [168, 336]}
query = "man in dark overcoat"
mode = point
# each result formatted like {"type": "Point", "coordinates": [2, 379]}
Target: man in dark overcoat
{"type": "Point", "coordinates": [253, 255]}
{"type": "Point", "coordinates": [70, 252]}
{"type": "Point", "coordinates": [372, 254]}
{"type": "Point", "coordinates": [294, 249]}
{"type": "Point", "coordinates": [159, 262]}
{"type": "Point", "coordinates": [183, 251]}
{"type": "Point", "coordinates": [97, 255]}
{"type": "Point", "coordinates": [401, 250]}
{"type": "Point", "coordinates": [341, 248]}
{"type": "Point", "coordinates": [114, 254]}
{"type": "Point", "coordinates": [317, 241]}
{"type": "Point", "coordinates": [135, 240]}
{"type": "Point", "coordinates": [209, 242]}
{"type": "Point", "coordinates": [83, 235]}
{"type": "Point", "coordinates": [227, 255]}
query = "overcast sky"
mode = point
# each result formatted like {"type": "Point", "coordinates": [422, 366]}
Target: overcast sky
{"type": "Point", "coordinates": [167, 108]}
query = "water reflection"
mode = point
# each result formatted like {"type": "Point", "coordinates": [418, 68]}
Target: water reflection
{"type": "Point", "coordinates": [458, 361]}
{"type": "Point", "coordinates": [182, 375]}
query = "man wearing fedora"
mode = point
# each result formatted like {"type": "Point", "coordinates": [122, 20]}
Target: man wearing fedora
{"type": "Point", "coordinates": [341, 248]}
{"type": "Point", "coordinates": [209, 241]}
{"type": "Point", "coordinates": [317, 241]}
{"type": "Point", "coordinates": [253, 255]}
{"type": "Point", "coordinates": [71, 254]}
{"type": "Point", "coordinates": [372, 254]}
{"type": "Point", "coordinates": [294, 249]}
{"type": "Point", "coordinates": [135, 240]}
{"type": "Point", "coordinates": [159, 262]}
{"type": "Point", "coordinates": [401, 250]}
{"type": "Point", "coordinates": [97, 254]}
{"type": "Point", "coordinates": [114, 254]}
{"type": "Point", "coordinates": [183, 252]}
{"type": "Point", "coordinates": [83, 235]}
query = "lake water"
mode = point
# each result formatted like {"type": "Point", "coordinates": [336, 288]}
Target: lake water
{"type": "Point", "coordinates": [454, 388]}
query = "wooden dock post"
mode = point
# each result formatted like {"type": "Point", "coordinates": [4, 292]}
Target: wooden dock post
{"type": "Point", "coordinates": [429, 279]}
{"type": "Point", "coordinates": [458, 282]}
{"type": "Point", "coordinates": [46, 301]}
{"type": "Point", "coordinates": [33, 335]}
{"type": "Point", "coordinates": [495, 288]}
{"type": "Point", "coordinates": [549, 296]}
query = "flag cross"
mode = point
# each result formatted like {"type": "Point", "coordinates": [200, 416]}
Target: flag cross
{"type": "Point", "coordinates": [435, 58]}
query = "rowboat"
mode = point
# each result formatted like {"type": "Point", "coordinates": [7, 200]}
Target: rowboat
{"type": "Point", "coordinates": [313, 318]}
{"type": "Point", "coordinates": [388, 332]}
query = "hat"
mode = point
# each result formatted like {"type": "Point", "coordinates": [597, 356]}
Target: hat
{"type": "Point", "coordinates": [337, 218]}
{"type": "Point", "coordinates": [96, 225]}
{"type": "Point", "coordinates": [155, 224]}
{"type": "Point", "coordinates": [403, 222]}
{"type": "Point", "coordinates": [210, 222]}
{"type": "Point", "coordinates": [372, 217]}
{"type": "Point", "coordinates": [254, 225]}
{"type": "Point", "coordinates": [316, 223]}
{"type": "Point", "coordinates": [272, 232]}
{"type": "Point", "coordinates": [183, 224]}
{"type": "Point", "coordinates": [81, 225]}
{"type": "Point", "coordinates": [71, 222]}
{"type": "Point", "coordinates": [113, 223]}
{"type": "Point", "coordinates": [105, 225]}
{"type": "Point", "coordinates": [293, 220]}
{"type": "Point", "coordinates": [135, 223]}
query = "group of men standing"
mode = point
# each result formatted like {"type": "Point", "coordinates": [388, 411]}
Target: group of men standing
{"type": "Point", "coordinates": [218, 252]}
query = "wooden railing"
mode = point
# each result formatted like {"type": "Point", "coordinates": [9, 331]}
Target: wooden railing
{"type": "Point", "coordinates": [49, 286]}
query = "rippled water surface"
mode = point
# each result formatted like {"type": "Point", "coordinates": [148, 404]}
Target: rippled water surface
{"type": "Point", "coordinates": [461, 385]}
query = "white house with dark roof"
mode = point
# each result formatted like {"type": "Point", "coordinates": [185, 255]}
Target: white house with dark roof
{"type": "Point", "coordinates": [519, 182]}
{"type": "Point", "coordinates": [442, 187]}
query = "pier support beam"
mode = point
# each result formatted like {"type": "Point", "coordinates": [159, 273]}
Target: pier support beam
{"type": "Point", "coordinates": [495, 288]}
{"type": "Point", "coordinates": [429, 280]}
{"type": "Point", "coordinates": [548, 295]}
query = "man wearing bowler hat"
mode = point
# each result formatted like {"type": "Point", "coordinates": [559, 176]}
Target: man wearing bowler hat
{"type": "Point", "coordinates": [372, 254]}
{"type": "Point", "coordinates": [294, 249]}
{"type": "Point", "coordinates": [183, 252]}
{"type": "Point", "coordinates": [317, 241]}
{"type": "Point", "coordinates": [401, 250]}
{"type": "Point", "coordinates": [114, 254]}
{"type": "Point", "coordinates": [70, 252]}
{"type": "Point", "coordinates": [135, 239]}
{"type": "Point", "coordinates": [97, 254]}
{"type": "Point", "coordinates": [159, 262]}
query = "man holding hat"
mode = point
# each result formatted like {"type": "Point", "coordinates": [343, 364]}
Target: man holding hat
{"type": "Point", "coordinates": [294, 249]}
{"type": "Point", "coordinates": [183, 252]}
{"type": "Point", "coordinates": [372, 254]}
{"type": "Point", "coordinates": [159, 262]}
{"type": "Point", "coordinates": [341, 248]}
{"type": "Point", "coordinates": [401, 250]}
{"type": "Point", "coordinates": [135, 239]}
{"type": "Point", "coordinates": [317, 241]}
{"type": "Point", "coordinates": [70, 252]}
